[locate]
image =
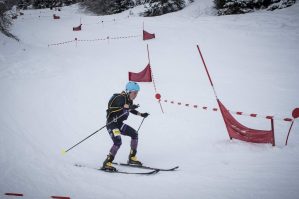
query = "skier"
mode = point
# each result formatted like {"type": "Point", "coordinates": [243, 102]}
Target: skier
{"type": "Point", "coordinates": [119, 107]}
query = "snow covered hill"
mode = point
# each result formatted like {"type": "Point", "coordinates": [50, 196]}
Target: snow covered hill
{"type": "Point", "coordinates": [54, 96]}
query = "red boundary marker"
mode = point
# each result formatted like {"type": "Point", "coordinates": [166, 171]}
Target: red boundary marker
{"type": "Point", "coordinates": [20, 194]}
{"type": "Point", "coordinates": [60, 197]}
{"type": "Point", "coordinates": [13, 194]}
{"type": "Point", "coordinates": [237, 113]}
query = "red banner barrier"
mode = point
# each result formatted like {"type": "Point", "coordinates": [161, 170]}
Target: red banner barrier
{"type": "Point", "coordinates": [238, 131]}
{"type": "Point", "coordinates": [13, 194]}
{"type": "Point", "coordinates": [60, 197]}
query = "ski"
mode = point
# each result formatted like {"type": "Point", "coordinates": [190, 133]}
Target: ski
{"type": "Point", "coordinates": [145, 167]}
{"type": "Point", "coordinates": [118, 171]}
{"type": "Point", "coordinates": [126, 172]}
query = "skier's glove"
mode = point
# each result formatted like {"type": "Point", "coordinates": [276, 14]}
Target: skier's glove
{"type": "Point", "coordinates": [144, 115]}
{"type": "Point", "coordinates": [133, 106]}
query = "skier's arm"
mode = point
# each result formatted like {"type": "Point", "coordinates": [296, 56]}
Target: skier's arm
{"type": "Point", "coordinates": [132, 108]}
{"type": "Point", "coordinates": [135, 112]}
{"type": "Point", "coordinates": [140, 114]}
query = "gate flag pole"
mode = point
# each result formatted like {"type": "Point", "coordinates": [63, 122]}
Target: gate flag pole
{"type": "Point", "coordinates": [149, 61]}
{"type": "Point", "coordinates": [204, 63]}
{"type": "Point", "coordinates": [295, 115]}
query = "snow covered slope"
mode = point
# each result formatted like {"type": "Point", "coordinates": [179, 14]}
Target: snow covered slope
{"type": "Point", "coordinates": [52, 97]}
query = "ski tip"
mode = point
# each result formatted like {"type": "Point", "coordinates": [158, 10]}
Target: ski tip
{"type": "Point", "coordinates": [156, 171]}
{"type": "Point", "coordinates": [63, 152]}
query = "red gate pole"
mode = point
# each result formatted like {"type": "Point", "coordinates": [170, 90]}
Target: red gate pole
{"type": "Point", "coordinates": [295, 115]}
{"type": "Point", "coordinates": [149, 61]}
{"type": "Point", "coordinates": [289, 133]}
{"type": "Point", "coordinates": [272, 127]}
{"type": "Point", "coordinates": [204, 63]}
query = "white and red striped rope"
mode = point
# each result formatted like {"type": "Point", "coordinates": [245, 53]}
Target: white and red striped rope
{"type": "Point", "coordinates": [61, 43]}
{"type": "Point", "coordinates": [94, 40]}
{"type": "Point", "coordinates": [233, 112]}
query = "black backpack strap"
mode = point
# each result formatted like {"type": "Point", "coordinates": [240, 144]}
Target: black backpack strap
{"type": "Point", "coordinates": [113, 109]}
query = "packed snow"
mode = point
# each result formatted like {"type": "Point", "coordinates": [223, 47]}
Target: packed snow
{"type": "Point", "coordinates": [54, 96]}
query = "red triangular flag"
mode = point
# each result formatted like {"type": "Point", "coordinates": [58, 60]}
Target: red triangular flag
{"type": "Point", "coordinates": [147, 36]}
{"type": "Point", "coordinates": [55, 16]}
{"type": "Point", "coordinates": [143, 76]}
{"type": "Point", "coordinates": [78, 28]}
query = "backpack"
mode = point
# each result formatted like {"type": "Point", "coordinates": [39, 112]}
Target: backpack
{"type": "Point", "coordinates": [111, 100]}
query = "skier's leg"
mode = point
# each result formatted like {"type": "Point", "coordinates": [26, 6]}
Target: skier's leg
{"type": "Point", "coordinates": [115, 135]}
{"type": "Point", "coordinates": [129, 131]}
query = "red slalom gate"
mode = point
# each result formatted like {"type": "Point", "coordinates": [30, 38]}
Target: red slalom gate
{"type": "Point", "coordinates": [237, 130]}
{"type": "Point", "coordinates": [146, 75]}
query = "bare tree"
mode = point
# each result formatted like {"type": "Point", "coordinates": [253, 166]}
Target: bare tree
{"type": "Point", "coordinates": [5, 19]}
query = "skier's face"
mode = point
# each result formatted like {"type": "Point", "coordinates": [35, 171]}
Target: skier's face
{"type": "Point", "coordinates": [133, 95]}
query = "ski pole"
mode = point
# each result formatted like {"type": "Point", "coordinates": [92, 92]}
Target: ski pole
{"type": "Point", "coordinates": [140, 124]}
{"type": "Point", "coordinates": [65, 151]}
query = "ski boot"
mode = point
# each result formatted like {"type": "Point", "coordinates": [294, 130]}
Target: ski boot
{"type": "Point", "coordinates": [133, 159]}
{"type": "Point", "coordinates": [107, 164]}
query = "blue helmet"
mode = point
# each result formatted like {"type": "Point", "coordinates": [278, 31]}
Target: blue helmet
{"type": "Point", "coordinates": [132, 86]}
